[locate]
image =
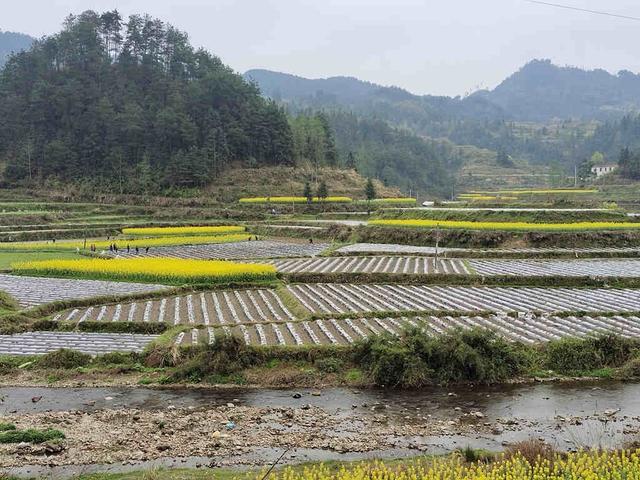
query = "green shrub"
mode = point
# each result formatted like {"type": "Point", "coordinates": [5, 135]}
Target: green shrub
{"type": "Point", "coordinates": [64, 358]}
{"type": "Point", "coordinates": [329, 365]}
{"type": "Point", "coordinates": [124, 327]}
{"type": "Point", "coordinates": [614, 349]}
{"type": "Point", "coordinates": [30, 436]}
{"type": "Point", "coordinates": [117, 358]}
{"type": "Point", "coordinates": [4, 427]}
{"type": "Point", "coordinates": [631, 369]}
{"type": "Point", "coordinates": [473, 455]}
{"type": "Point", "coordinates": [9, 363]}
{"type": "Point", "coordinates": [228, 355]}
{"type": "Point", "coordinates": [571, 355]}
{"type": "Point", "coordinates": [414, 359]}
{"type": "Point", "coordinates": [7, 302]}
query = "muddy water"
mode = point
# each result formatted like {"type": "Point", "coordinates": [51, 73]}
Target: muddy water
{"type": "Point", "coordinates": [569, 416]}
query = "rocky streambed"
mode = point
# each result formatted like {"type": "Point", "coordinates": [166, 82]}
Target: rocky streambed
{"type": "Point", "coordinates": [116, 429]}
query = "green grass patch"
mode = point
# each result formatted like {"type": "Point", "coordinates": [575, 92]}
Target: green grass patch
{"type": "Point", "coordinates": [30, 436]}
{"type": "Point", "coordinates": [529, 216]}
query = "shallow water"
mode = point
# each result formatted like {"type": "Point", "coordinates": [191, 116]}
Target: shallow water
{"type": "Point", "coordinates": [533, 409]}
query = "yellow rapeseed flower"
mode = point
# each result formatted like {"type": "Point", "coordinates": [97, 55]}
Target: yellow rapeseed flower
{"type": "Point", "coordinates": [123, 242]}
{"type": "Point", "coordinates": [579, 466]}
{"type": "Point", "coordinates": [524, 226]}
{"type": "Point", "coordinates": [401, 200]}
{"type": "Point", "coordinates": [293, 200]}
{"type": "Point", "coordinates": [162, 231]}
{"type": "Point", "coordinates": [172, 271]}
{"type": "Point", "coordinates": [559, 191]}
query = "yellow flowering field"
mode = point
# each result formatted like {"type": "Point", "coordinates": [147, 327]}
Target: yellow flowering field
{"type": "Point", "coordinates": [476, 197]}
{"type": "Point", "coordinates": [293, 200]}
{"type": "Point", "coordinates": [576, 466]}
{"type": "Point", "coordinates": [167, 241]}
{"type": "Point", "coordinates": [393, 201]}
{"type": "Point", "coordinates": [524, 226]}
{"type": "Point", "coordinates": [171, 271]}
{"type": "Point", "coordinates": [163, 231]}
{"type": "Point", "coordinates": [548, 191]}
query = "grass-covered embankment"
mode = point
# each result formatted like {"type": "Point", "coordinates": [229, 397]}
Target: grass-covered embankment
{"type": "Point", "coordinates": [468, 238]}
{"type": "Point", "coordinates": [508, 225]}
{"type": "Point", "coordinates": [412, 360]}
{"type": "Point", "coordinates": [529, 216]}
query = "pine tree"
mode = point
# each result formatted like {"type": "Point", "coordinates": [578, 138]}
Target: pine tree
{"type": "Point", "coordinates": [351, 161]}
{"type": "Point", "coordinates": [370, 193]}
{"type": "Point", "coordinates": [307, 193]}
{"type": "Point", "coordinates": [370, 190]}
{"type": "Point", "coordinates": [323, 192]}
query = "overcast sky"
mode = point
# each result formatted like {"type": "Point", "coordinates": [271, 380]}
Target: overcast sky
{"type": "Point", "coordinates": [447, 47]}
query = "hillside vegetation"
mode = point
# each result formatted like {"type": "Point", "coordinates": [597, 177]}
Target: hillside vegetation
{"type": "Point", "coordinates": [543, 114]}
{"type": "Point", "coordinates": [288, 181]}
{"type": "Point", "coordinates": [130, 106]}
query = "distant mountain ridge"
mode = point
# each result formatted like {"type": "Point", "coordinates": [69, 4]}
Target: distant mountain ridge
{"type": "Point", "coordinates": [284, 85]}
{"type": "Point", "coordinates": [540, 91]}
{"type": "Point", "coordinates": [11, 42]}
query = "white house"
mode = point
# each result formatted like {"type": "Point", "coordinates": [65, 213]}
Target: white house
{"type": "Point", "coordinates": [600, 170]}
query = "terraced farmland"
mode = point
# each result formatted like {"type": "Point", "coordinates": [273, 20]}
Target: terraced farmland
{"type": "Point", "coordinates": [232, 251]}
{"type": "Point", "coordinates": [36, 343]}
{"type": "Point", "coordinates": [390, 248]}
{"type": "Point", "coordinates": [528, 329]}
{"type": "Point", "coordinates": [566, 268]}
{"type": "Point", "coordinates": [383, 264]}
{"type": "Point", "coordinates": [396, 249]}
{"type": "Point", "coordinates": [32, 291]}
{"type": "Point", "coordinates": [330, 299]}
{"type": "Point", "coordinates": [219, 308]}
{"type": "Point", "coordinates": [421, 265]}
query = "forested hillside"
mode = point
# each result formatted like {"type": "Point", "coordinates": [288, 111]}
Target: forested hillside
{"type": "Point", "coordinates": [11, 42]}
{"type": "Point", "coordinates": [474, 120]}
{"type": "Point", "coordinates": [374, 149]}
{"type": "Point", "coordinates": [611, 137]}
{"type": "Point", "coordinates": [543, 114]}
{"type": "Point", "coordinates": [130, 105]}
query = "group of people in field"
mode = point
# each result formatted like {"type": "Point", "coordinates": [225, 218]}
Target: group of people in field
{"type": "Point", "coordinates": [113, 247]}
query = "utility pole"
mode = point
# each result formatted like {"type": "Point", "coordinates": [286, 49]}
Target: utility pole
{"type": "Point", "coordinates": [575, 175]}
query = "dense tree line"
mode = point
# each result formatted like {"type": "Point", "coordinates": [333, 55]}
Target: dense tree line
{"type": "Point", "coordinates": [130, 106]}
{"type": "Point", "coordinates": [629, 164]}
{"type": "Point", "coordinates": [394, 156]}
{"type": "Point", "coordinates": [337, 138]}
{"type": "Point", "coordinates": [613, 136]}
{"type": "Point", "coordinates": [492, 120]}
{"type": "Point", "coordinates": [313, 140]}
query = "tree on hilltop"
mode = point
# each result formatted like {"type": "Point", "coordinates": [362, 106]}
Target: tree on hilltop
{"type": "Point", "coordinates": [370, 193]}
{"type": "Point", "coordinates": [307, 193]}
{"type": "Point", "coordinates": [108, 98]}
{"type": "Point", "coordinates": [323, 191]}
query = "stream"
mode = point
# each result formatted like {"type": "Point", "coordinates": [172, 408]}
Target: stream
{"type": "Point", "coordinates": [566, 415]}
